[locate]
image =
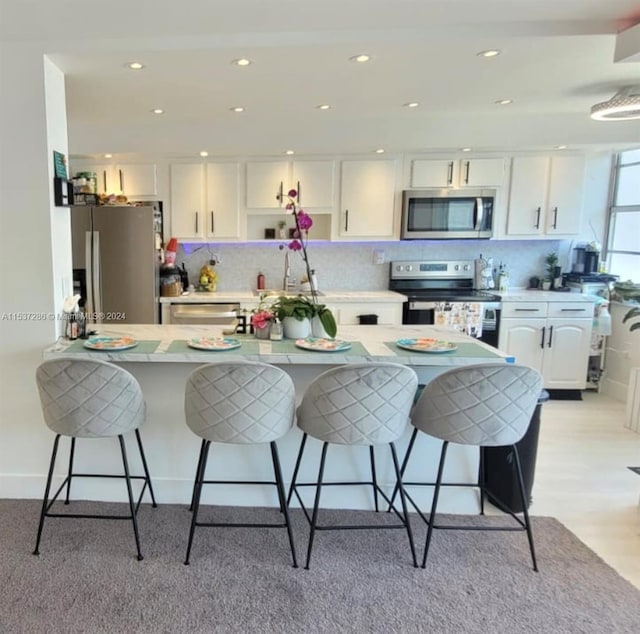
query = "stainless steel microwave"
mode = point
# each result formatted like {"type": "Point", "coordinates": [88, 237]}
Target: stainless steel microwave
{"type": "Point", "coordinates": [436, 214]}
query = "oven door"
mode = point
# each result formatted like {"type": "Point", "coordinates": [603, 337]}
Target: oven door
{"type": "Point", "coordinates": [419, 313]}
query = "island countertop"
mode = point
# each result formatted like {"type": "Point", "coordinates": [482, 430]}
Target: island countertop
{"type": "Point", "coordinates": [169, 343]}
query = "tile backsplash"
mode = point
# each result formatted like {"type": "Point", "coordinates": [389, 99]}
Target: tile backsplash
{"type": "Point", "coordinates": [350, 266]}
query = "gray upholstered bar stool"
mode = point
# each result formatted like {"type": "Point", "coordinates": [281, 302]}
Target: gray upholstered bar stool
{"type": "Point", "coordinates": [91, 399]}
{"type": "Point", "coordinates": [485, 405]}
{"type": "Point", "coordinates": [358, 404]}
{"type": "Point", "coordinates": [244, 403]}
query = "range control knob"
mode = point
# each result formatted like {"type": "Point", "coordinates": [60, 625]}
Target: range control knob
{"type": "Point", "coordinates": [466, 267]}
{"type": "Point", "coordinates": [456, 267]}
{"type": "Point", "coordinates": [408, 267]}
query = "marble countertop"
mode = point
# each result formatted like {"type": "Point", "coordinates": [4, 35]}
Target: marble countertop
{"type": "Point", "coordinates": [158, 344]}
{"type": "Point", "coordinates": [534, 295]}
{"type": "Point", "coordinates": [328, 296]}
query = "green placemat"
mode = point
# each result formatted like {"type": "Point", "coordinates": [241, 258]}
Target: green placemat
{"type": "Point", "coordinates": [249, 346]}
{"type": "Point", "coordinates": [465, 349]}
{"type": "Point", "coordinates": [143, 347]}
{"type": "Point", "coordinates": [288, 346]}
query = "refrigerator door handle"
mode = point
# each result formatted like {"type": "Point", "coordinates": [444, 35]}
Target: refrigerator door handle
{"type": "Point", "coordinates": [94, 287]}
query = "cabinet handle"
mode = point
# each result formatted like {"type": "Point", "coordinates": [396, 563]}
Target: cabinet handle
{"type": "Point", "coordinates": [544, 328]}
{"type": "Point", "coordinates": [466, 177]}
{"type": "Point", "coordinates": [299, 197]}
{"type": "Point", "coordinates": [120, 177]}
{"type": "Point", "coordinates": [212, 230]}
{"type": "Point", "coordinates": [450, 173]}
{"type": "Point", "coordinates": [573, 310]}
{"type": "Point", "coordinates": [196, 222]}
{"type": "Point", "coordinates": [104, 180]}
{"type": "Point", "coordinates": [537, 225]}
{"type": "Point", "coordinates": [550, 336]}
{"type": "Point", "coordinates": [279, 194]}
{"type": "Point", "coordinates": [555, 218]}
{"type": "Point", "coordinates": [346, 220]}
{"type": "Point", "coordinates": [527, 310]}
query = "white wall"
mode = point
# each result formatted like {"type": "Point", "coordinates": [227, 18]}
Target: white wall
{"type": "Point", "coordinates": [30, 288]}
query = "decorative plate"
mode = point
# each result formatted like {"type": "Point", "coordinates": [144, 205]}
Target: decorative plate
{"type": "Point", "coordinates": [322, 345]}
{"type": "Point", "coordinates": [110, 343]}
{"type": "Point", "coordinates": [214, 343]}
{"type": "Point", "coordinates": [426, 345]}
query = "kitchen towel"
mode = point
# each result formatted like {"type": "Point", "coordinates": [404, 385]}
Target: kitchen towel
{"type": "Point", "coordinates": [461, 316]}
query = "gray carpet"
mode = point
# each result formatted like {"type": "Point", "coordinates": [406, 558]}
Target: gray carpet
{"type": "Point", "coordinates": [87, 579]}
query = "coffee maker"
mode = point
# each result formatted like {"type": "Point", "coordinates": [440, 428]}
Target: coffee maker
{"type": "Point", "coordinates": [586, 259]}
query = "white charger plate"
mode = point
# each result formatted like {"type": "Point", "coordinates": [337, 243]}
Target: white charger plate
{"type": "Point", "coordinates": [426, 345]}
{"type": "Point", "coordinates": [318, 344]}
{"type": "Point", "coordinates": [214, 343]}
{"type": "Point", "coordinates": [110, 343]}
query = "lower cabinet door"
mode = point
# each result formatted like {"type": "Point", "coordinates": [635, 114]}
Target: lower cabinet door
{"type": "Point", "coordinates": [524, 339]}
{"type": "Point", "coordinates": [566, 355]}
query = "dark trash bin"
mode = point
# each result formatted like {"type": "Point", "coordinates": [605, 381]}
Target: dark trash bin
{"type": "Point", "coordinates": [368, 320]}
{"type": "Point", "coordinates": [500, 470]}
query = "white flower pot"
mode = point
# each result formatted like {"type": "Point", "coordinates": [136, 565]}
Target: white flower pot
{"type": "Point", "coordinates": [294, 329]}
{"type": "Point", "coordinates": [317, 329]}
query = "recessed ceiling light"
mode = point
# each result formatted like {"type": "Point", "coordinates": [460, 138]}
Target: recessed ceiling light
{"type": "Point", "coordinates": [504, 102]}
{"type": "Point", "coordinates": [243, 61]}
{"type": "Point", "coordinates": [289, 152]}
{"type": "Point", "coordinates": [158, 111]}
{"type": "Point", "coordinates": [411, 104]}
{"type": "Point", "coordinates": [108, 156]}
{"type": "Point", "coordinates": [135, 65]}
{"type": "Point", "coordinates": [360, 58]}
{"type": "Point", "coordinates": [204, 153]}
{"type": "Point", "coordinates": [380, 151]}
{"type": "Point", "coordinates": [560, 147]}
{"type": "Point", "coordinates": [237, 109]}
{"type": "Point", "coordinates": [493, 52]}
{"type": "Point", "coordinates": [324, 106]}
{"type": "Point", "coordinates": [466, 149]}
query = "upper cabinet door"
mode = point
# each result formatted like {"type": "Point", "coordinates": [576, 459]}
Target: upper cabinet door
{"type": "Point", "coordinates": [367, 199]}
{"type": "Point", "coordinates": [137, 179]}
{"type": "Point", "coordinates": [528, 195]}
{"type": "Point", "coordinates": [315, 183]}
{"type": "Point", "coordinates": [482, 172]}
{"type": "Point", "coordinates": [566, 184]}
{"type": "Point", "coordinates": [266, 181]}
{"type": "Point", "coordinates": [187, 217]}
{"type": "Point", "coordinates": [434, 173]}
{"type": "Point", "coordinates": [222, 215]}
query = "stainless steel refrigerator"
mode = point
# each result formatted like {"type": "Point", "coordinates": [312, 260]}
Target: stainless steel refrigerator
{"type": "Point", "coordinates": [116, 262]}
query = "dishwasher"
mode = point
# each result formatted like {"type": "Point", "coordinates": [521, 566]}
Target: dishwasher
{"type": "Point", "coordinates": [208, 313]}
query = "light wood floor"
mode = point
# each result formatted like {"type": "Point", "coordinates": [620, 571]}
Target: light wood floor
{"type": "Point", "coordinates": [582, 477]}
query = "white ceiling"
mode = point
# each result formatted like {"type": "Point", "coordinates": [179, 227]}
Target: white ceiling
{"type": "Point", "coordinates": [557, 60]}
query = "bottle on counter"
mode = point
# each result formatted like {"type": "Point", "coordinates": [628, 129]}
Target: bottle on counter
{"type": "Point", "coordinates": [260, 282]}
{"type": "Point", "coordinates": [275, 331]}
{"type": "Point", "coordinates": [313, 282]}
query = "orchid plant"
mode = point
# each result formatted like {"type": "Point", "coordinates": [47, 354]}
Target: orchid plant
{"type": "Point", "coordinates": [299, 243]}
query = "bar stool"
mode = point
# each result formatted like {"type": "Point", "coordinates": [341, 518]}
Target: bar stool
{"type": "Point", "coordinates": [358, 404]}
{"type": "Point", "coordinates": [91, 399]}
{"type": "Point", "coordinates": [243, 403]}
{"type": "Point", "coordinates": [485, 405]}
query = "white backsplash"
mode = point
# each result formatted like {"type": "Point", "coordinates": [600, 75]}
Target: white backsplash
{"type": "Point", "coordinates": [350, 266]}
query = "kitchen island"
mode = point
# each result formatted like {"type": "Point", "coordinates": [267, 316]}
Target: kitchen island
{"type": "Point", "coordinates": [162, 361]}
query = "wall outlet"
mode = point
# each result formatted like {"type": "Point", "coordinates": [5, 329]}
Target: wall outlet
{"type": "Point", "coordinates": [378, 256]}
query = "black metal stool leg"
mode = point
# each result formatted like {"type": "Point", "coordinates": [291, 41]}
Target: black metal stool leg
{"type": "Point", "coordinates": [525, 512]}
{"type": "Point", "coordinates": [434, 504]}
{"type": "Point", "coordinates": [146, 469]}
{"type": "Point", "coordinates": [316, 503]}
{"type": "Point", "coordinates": [70, 473]}
{"type": "Point", "coordinates": [197, 492]}
{"type": "Point", "coordinates": [374, 481]}
{"type": "Point", "coordinates": [281, 497]}
{"type": "Point", "coordinates": [482, 479]}
{"type": "Point", "coordinates": [130, 493]}
{"type": "Point", "coordinates": [405, 461]}
{"type": "Point", "coordinates": [296, 468]}
{"type": "Point", "coordinates": [195, 479]}
{"type": "Point", "coordinates": [47, 490]}
{"type": "Point", "coordinates": [405, 512]}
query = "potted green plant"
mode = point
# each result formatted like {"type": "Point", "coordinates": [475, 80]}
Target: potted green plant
{"type": "Point", "coordinates": [297, 312]}
{"type": "Point", "coordinates": [551, 260]}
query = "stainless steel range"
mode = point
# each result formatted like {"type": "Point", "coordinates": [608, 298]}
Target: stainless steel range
{"type": "Point", "coordinates": [441, 285]}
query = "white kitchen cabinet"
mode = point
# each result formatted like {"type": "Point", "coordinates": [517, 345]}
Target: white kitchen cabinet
{"type": "Point", "coordinates": [223, 200]}
{"type": "Point", "coordinates": [477, 172]}
{"type": "Point", "coordinates": [545, 198]}
{"type": "Point", "coordinates": [367, 199]}
{"type": "Point", "coordinates": [554, 338]}
{"type": "Point", "coordinates": [187, 215]}
{"type": "Point", "coordinates": [131, 179]}
{"type": "Point", "coordinates": [269, 181]}
{"type": "Point", "coordinates": [205, 201]}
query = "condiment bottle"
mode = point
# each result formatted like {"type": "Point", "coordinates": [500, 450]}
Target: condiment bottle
{"type": "Point", "coordinates": [260, 285]}
{"type": "Point", "coordinates": [275, 332]}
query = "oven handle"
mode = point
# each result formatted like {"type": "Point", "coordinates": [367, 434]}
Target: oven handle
{"type": "Point", "coordinates": [422, 305]}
